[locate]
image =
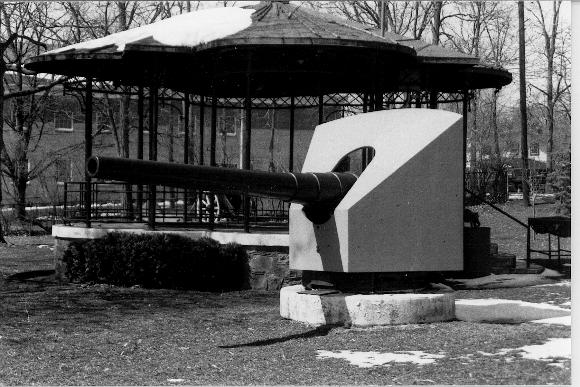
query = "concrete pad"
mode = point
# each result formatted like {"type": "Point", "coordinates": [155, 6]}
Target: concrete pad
{"type": "Point", "coordinates": [505, 311]}
{"type": "Point", "coordinates": [364, 310]}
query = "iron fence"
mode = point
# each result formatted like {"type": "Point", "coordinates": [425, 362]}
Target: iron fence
{"type": "Point", "coordinates": [113, 202]}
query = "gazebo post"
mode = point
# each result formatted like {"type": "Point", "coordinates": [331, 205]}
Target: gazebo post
{"type": "Point", "coordinates": [291, 136]}
{"type": "Point", "coordinates": [433, 100]}
{"type": "Point", "coordinates": [186, 107]}
{"type": "Point", "coordinates": [200, 148]}
{"type": "Point", "coordinates": [140, 127]}
{"type": "Point", "coordinates": [464, 108]}
{"type": "Point", "coordinates": [201, 128]}
{"type": "Point", "coordinates": [152, 151]}
{"type": "Point", "coordinates": [212, 159]}
{"type": "Point", "coordinates": [372, 108]}
{"type": "Point", "coordinates": [247, 138]}
{"type": "Point", "coordinates": [186, 146]}
{"type": "Point", "coordinates": [320, 109]}
{"type": "Point", "coordinates": [88, 145]}
{"type": "Point", "coordinates": [364, 150]}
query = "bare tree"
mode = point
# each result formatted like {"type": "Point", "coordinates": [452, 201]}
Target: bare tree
{"type": "Point", "coordinates": [466, 34]}
{"type": "Point", "coordinates": [499, 40]}
{"type": "Point", "coordinates": [27, 94]}
{"type": "Point", "coordinates": [550, 30]}
{"type": "Point", "coordinates": [523, 102]}
{"type": "Point", "coordinates": [410, 18]}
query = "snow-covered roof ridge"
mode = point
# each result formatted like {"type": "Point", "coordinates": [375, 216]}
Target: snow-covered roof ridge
{"type": "Point", "coordinates": [185, 30]}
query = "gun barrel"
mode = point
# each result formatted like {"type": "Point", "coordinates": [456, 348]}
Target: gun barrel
{"type": "Point", "coordinates": [326, 187]}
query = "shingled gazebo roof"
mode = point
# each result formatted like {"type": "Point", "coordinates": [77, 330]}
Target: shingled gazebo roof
{"type": "Point", "coordinates": [267, 49]}
{"type": "Point", "coordinates": [285, 50]}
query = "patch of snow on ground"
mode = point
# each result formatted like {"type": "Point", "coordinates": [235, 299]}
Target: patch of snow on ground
{"type": "Point", "coordinates": [549, 273]}
{"type": "Point", "coordinates": [186, 30]}
{"type": "Point", "coordinates": [561, 283]}
{"type": "Point", "coordinates": [553, 348]}
{"type": "Point", "coordinates": [564, 320]}
{"type": "Point", "coordinates": [499, 301]}
{"type": "Point", "coordinates": [373, 359]}
{"type": "Point", "coordinates": [505, 311]}
{"type": "Point", "coordinates": [567, 303]}
{"type": "Point", "coordinates": [503, 281]}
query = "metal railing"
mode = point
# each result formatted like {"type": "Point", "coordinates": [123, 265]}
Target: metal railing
{"type": "Point", "coordinates": [115, 202]}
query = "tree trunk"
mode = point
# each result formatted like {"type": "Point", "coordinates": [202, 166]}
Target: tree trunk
{"type": "Point", "coordinates": [20, 170]}
{"type": "Point", "coordinates": [550, 106]}
{"type": "Point", "coordinates": [496, 149]}
{"type": "Point", "coordinates": [2, 70]}
{"type": "Point", "coordinates": [436, 27]}
{"type": "Point", "coordinates": [20, 188]}
{"type": "Point", "coordinates": [523, 101]}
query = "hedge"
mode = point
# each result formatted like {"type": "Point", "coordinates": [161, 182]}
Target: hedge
{"type": "Point", "coordinates": [158, 261]}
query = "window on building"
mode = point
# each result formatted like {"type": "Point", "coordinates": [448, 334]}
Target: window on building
{"type": "Point", "coordinates": [228, 125]}
{"type": "Point", "coordinates": [62, 171]}
{"type": "Point", "coordinates": [535, 149]}
{"type": "Point", "coordinates": [64, 121]}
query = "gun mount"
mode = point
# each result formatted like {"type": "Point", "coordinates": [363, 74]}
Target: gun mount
{"type": "Point", "coordinates": [318, 192]}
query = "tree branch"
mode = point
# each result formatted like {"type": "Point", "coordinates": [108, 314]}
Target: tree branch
{"type": "Point", "coordinates": [24, 93]}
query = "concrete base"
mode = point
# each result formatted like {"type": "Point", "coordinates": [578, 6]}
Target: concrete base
{"type": "Point", "coordinates": [365, 310]}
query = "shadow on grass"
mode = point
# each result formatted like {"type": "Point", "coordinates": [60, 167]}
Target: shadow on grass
{"type": "Point", "coordinates": [317, 332]}
{"type": "Point", "coordinates": [100, 305]}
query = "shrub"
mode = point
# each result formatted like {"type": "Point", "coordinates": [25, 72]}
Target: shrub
{"type": "Point", "coordinates": [158, 261]}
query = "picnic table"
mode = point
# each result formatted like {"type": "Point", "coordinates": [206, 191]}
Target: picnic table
{"type": "Point", "coordinates": [558, 226]}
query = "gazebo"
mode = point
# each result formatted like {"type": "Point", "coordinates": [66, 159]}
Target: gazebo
{"type": "Point", "coordinates": [273, 54]}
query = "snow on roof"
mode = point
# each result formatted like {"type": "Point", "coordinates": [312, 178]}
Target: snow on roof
{"type": "Point", "coordinates": [186, 30]}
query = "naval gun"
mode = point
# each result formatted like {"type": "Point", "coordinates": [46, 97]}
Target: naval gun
{"type": "Point", "coordinates": [318, 192]}
{"type": "Point", "coordinates": [404, 213]}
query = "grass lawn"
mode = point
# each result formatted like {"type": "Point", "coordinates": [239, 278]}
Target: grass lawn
{"type": "Point", "coordinates": [52, 334]}
{"type": "Point", "coordinates": [26, 253]}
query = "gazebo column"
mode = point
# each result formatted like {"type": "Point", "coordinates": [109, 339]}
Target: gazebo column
{"type": "Point", "coordinates": [140, 129]}
{"type": "Point", "coordinates": [433, 104]}
{"type": "Point", "coordinates": [201, 150]}
{"type": "Point", "coordinates": [185, 148]}
{"type": "Point", "coordinates": [153, 112]}
{"type": "Point", "coordinates": [464, 107]}
{"type": "Point", "coordinates": [186, 143]}
{"type": "Point", "coordinates": [418, 99]}
{"type": "Point", "coordinates": [291, 136]}
{"type": "Point", "coordinates": [320, 109]}
{"type": "Point", "coordinates": [379, 102]}
{"type": "Point", "coordinates": [201, 128]}
{"type": "Point", "coordinates": [372, 108]}
{"type": "Point", "coordinates": [247, 141]}
{"type": "Point", "coordinates": [212, 158]}
{"type": "Point", "coordinates": [364, 150]}
{"type": "Point", "coordinates": [88, 146]}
